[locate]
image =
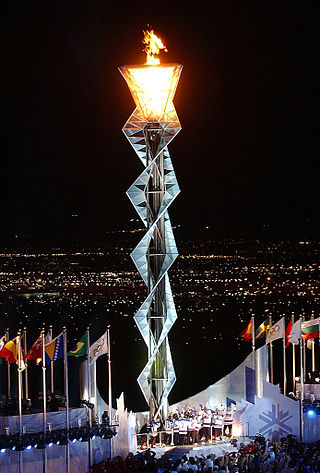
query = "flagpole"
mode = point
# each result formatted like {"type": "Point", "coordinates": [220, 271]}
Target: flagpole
{"type": "Point", "coordinates": [44, 389]}
{"type": "Point", "coordinates": [319, 336]}
{"type": "Point", "coordinates": [304, 357]}
{"type": "Point", "coordinates": [284, 363]}
{"type": "Point", "coordinates": [19, 382]}
{"type": "Point", "coordinates": [271, 352]}
{"type": "Point", "coordinates": [66, 391]}
{"type": "Point", "coordinates": [18, 346]}
{"type": "Point", "coordinates": [301, 385]}
{"type": "Point", "coordinates": [25, 363]}
{"type": "Point", "coordinates": [51, 364]}
{"type": "Point", "coordinates": [89, 393]}
{"type": "Point", "coordinates": [313, 367]}
{"type": "Point", "coordinates": [8, 367]}
{"type": "Point", "coordinates": [293, 362]}
{"type": "Point", "coordinates": [95, 410]}
{"type": "Point", "coordinates": [109, 373]}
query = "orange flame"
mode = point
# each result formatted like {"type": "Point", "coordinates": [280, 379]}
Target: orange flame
{"type": "Point", "coordinates": [153, 45]}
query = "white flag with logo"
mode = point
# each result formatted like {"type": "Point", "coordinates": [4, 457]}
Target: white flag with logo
{"type": "Point", "coordinates": [295, 334]}
{"type": "Point", "coordinates": [98, 348]}
{"type": "Point", "coordinates": [276, 331]}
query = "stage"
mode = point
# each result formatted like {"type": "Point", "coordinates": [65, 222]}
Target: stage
{"type": "Point", "coordinates": [217, 449]}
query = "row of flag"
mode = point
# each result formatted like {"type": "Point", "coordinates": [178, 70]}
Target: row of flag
{"type": "Point", "coordinates": [292, 333]}
{"type": "Point", "coordinates": [54, 349]}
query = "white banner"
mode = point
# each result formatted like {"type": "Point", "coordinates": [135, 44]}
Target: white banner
{"type": "Point", "coordinates": [276, 331]}
{"type": "Point", "coordinates": [98, 348]}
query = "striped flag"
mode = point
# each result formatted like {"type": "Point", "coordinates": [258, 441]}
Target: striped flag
{"type": "Point", "coordinates": [288, 332]}
{"type": "Point", "coordinates": [246, 334]}
{"type": "Point", "coordinates": [310, 329]}
{"type": "Point", "coordinates": [9, 351]}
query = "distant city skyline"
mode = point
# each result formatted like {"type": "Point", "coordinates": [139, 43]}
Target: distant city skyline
{"type": "Point", "coordinates": [217, 286]}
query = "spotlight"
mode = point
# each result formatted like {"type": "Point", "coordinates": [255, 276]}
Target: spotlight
{"type": "Point", "coordinates": [317, 380]}
{"type": "Point", "coordinates": [311, 412]}
{"type": "Point", "coordinates": [29, 447]}
{"type": "Point", "coordinates": [2, 450]}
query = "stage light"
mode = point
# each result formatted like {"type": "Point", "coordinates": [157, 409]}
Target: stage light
{"type": "Point", "coordinates": [29, 447]}
{"type": "Point", "coordinates": [50, 444]}
{"type": "Point", "coordinates": [2, 450]}
{"type": "Point", "coordinates": [317, 380]}
{"type": "Point", "coordinates": [311, 412]}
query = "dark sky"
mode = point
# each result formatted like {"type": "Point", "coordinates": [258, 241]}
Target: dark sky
{"type": "Point", "coordinates": [247, 158]}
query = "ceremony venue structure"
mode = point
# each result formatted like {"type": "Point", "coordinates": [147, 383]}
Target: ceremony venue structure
{"type": "Point", "coordinates": [150, 128]}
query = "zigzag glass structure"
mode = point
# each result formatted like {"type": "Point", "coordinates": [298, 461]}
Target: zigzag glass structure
{"type": "Point", "coordinates": [150, 128]}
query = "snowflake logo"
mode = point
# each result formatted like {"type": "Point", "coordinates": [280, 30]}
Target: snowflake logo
{"type": "Point", "coordinates": [275, 422]}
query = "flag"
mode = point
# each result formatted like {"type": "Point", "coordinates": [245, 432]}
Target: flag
{"type": "Point", "coordinates": [80, 349]}
{"type": "Point", "coordinates": [276, 331]}
{"type": "Point", "coordinates": [310, 329]}
{"type": "Point", "coordinates": [9, 351]}
{"type": "Point", "coordinates": [262, 329]}
{"type": "Point", "coordinates": [35, 352]}
{"type": "Point", "coordinates": [54, 350]}
{"type": "Point", "coordinates": [2, 343]}
{"type": "Point", "coordinates": [295, 334]}
{"type": "Point", "coordinates": [246, 334]}
{"type": "Point", "coordinates": [288, 331]}
{"type": "Point", "coordinates": [98, 348]}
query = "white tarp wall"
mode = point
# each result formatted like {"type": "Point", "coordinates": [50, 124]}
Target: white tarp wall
{"type": "Point", "coordinates": [34, 422]}
{"type": "Point", "coordinates": [273, 416]}
{"type": "Point", "coordinates": [244, 382]}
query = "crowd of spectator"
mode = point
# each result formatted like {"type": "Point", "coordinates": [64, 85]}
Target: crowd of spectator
{"type": "Point", "coordinates": [286, 456]}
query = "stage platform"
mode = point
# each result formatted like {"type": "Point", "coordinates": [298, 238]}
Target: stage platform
{"type": "Point", "coordinates": [218, 449]}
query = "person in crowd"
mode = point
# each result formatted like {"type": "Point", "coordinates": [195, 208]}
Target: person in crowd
{"type": "Point", "coordinates": [191, 429]}
{"type": "Point", "coordinates": [176, 423]}
{"type": "Point", "coordinates": [228, 421]}
{"type": "Point", "coordinates": [217, 422]}
{"type": "Point", "coordinates": [206, 424]}
{"type": "Point", "coordinates": [286, 456]}
{"type": "Point", "coordinates": [168, 426]}
{"type": "Point", "coordinates": [155, 425]}
{"type": "Point", "coordinates": [183, 429]}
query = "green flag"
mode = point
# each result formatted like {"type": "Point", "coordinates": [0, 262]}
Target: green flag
{"type": "Point", "coordinates": [81, 347]}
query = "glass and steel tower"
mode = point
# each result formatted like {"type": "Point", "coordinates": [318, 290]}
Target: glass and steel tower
{"type": "Point", "coordinates": [150, 128]}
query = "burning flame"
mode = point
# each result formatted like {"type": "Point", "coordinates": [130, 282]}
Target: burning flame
{"type": "Point", "coordinates": [153, 45]}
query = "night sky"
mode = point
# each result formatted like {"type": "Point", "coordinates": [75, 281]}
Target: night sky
{"type": "Point", "coordinates": [246, 159]}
